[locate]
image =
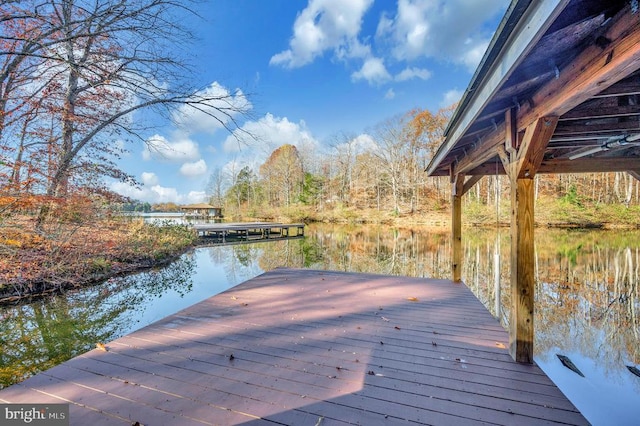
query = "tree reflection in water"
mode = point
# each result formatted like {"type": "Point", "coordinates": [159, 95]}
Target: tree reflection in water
{"type": "Point", "coordinates": [42, 334]}
{"type": "Point", "coordinates": [587, 300]}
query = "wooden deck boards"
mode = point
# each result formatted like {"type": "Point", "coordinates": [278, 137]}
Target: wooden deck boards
{"type": "Point", "coordinates": [304, 347]}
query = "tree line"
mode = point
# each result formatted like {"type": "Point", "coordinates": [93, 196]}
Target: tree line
{"type": "Point", "coordinates": [385, 171]}
{"type": "Point", "coordinates": [76, 75]}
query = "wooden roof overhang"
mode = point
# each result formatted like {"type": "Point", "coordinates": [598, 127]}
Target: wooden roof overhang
{"type": "Point", "coordinates": [558, 91]}
{"type": "Point", "coordinates": [574, 64]}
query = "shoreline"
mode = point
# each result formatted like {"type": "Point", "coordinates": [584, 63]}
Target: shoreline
{"type": "Point", "coordinates": [58, 285]}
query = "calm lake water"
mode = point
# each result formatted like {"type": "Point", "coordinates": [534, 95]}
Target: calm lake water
{"type": "Point", "coordinates": [587, 299]}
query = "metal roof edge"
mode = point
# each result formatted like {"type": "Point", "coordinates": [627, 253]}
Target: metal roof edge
{"type": "Point", "coordinates": [501, 40]}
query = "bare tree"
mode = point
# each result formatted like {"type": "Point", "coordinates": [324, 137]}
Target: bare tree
{"type": "Point", "coordinates": [392, 153]}
{"type": "Point", "coordinates": [99, 62]}
{"type": "Point", "coordinates": [216, 187]}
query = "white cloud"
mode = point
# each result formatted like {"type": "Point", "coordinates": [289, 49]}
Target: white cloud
{"type": "Point", "coordinates": [450, 30]}
{"type": "Point", "coordinates": [197, 168]}
{"type": "Point", "coordinates": [373, 71]}
{"type": "Point", "coordinates": [451, 97]}
{"type": "Point", "coordinates": [472, 57]}
{"type": "Point", "coordinates": [361, 143]}
{"type": "Point", "coordinates": [267, 134]}
{"type": "Point", "coordinates": [411, 73]}
{"type": "Point", "coordinates": [150, 194]}
{"type": "Point", "coordinates": [158, 147]}
{"type": "Point", "coordinates": [216, 106]}
{"type": "Point", "coordinates": [323, 25]}
{"type": "Point", "coordinates": [196, 197]}
{"type": "Point", "coordinates": [364, 142]}
{"type": "Point", "coordinates": [390, 94]}
{"type": "Point", "coordinates": [149, 178]}
{"type": "Point", "coordinates": [156, 193]}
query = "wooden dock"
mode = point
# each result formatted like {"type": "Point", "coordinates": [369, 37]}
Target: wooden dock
{"type": "Point", "coordinates": [307, 347]}
{"type": "Point", "coordinates": [247, 231]}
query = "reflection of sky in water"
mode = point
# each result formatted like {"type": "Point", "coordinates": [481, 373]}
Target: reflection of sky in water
{"type": "Point", "coordinates": [603, 397]}
{"type": "Point", "coordinates": [214, 272]}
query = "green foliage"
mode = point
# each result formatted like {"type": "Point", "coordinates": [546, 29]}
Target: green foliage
{"type": "Point", "coordinates": [311, 189]}
{"type": "Point", "coordinates": [99, 265]}
{"type": "Point", "coordinates": [158, 241]}
{"type": "Point", "coordinates": [572, 197]}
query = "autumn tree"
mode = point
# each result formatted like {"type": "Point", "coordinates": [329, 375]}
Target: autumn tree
{"type": "Point", "coordinates": [99, 62]}
{"type": "Point", "coordinates": [283, 175]}
{"type": "Point", "coordinates": [425, 133]}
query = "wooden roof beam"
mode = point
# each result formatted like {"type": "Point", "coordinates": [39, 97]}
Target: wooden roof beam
{"type": "Point", "coordinates": [588, 165]}
{"type": "Point", "coordinates": [538, 17]}
{"type": "Point", "coordinates": [592, 71]}
{"type": "Point", "coordinates": [484, 150]}
{"type": "Point", "coordinates": [568, 128]}
{"type": "Point", "coordinates": [535, 141]}
{"type": "Point", "coordinates": [628, 86]}
{"type": "Point", "coordinates": [564, 165]}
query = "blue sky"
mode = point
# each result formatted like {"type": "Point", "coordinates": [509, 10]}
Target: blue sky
{"type": "Point", "coordinates": [310, 70]}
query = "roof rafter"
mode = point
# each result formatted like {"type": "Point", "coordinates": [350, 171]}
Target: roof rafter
{"type": "Point", "coordinates": [596, 68]}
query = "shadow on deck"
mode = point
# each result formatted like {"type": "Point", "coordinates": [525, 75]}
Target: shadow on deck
{"type": "Point", "coordinates": [305, 347]}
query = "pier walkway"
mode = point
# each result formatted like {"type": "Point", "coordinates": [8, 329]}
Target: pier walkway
{"type": "Point", "coordinates": [308, 347]}
{"type": "Point", "coordinates": [246, 231]}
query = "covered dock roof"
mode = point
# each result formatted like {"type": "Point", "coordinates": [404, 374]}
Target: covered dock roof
{"type": "Point", "coordinates": [573, 61]}
{"type": "Point", "coordinates": [558, 91]}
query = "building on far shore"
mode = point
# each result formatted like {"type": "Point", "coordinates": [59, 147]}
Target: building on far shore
{"type": "Point", "coordinates": [202, 210]}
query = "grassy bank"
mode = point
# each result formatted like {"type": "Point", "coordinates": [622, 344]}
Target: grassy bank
{"type": "Point", "coordinates": [68, 254]}
{"type": "Point", "coordinates": [549, 212]}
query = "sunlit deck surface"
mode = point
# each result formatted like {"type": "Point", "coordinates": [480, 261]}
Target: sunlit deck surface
{"type": "Point", "coordinates": [306, 347]}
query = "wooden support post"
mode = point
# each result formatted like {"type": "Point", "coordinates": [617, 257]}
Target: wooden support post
{"type": "Point", "coordinates": [457, 185]}
{"type": "Point", "coordinates": [521, 165]}
{"type": "Point", "coordinates": [522, 271]}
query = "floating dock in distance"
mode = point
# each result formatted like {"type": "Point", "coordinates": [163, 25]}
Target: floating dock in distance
{"type": "Point", "coordinates": [246, 231]}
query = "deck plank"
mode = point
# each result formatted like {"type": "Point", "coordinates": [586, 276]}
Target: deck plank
{"type": "Point", "coordinates": [298, 347]}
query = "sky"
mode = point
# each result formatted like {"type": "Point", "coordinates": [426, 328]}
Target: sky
{"type": "Point", "coordinates": [309, 73]}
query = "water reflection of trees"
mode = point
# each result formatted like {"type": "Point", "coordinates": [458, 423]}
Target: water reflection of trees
{"type": "Point", "coordinates": [586, 294]}
{"type": "Point", "coordinates": [42, 334]}
{"type": "Point", "coordinates": [587, 281]}
{"type": "Point", "coordinates": [383, 250]}
{"type": "Point", "coordinates": [586, 297]}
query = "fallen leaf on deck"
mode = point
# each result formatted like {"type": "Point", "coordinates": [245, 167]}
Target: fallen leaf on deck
{"type": "Point", "coordinates": [500, 345]}
{"type": "Point", "coordinates": [102, 347]}
{"type": "Point", "coordinates": [396, 327]}
{"type": "Point", "coordinates": [412, 299]}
